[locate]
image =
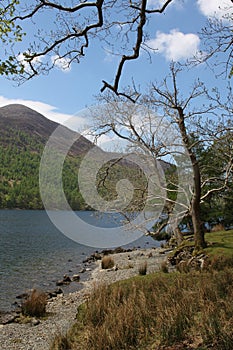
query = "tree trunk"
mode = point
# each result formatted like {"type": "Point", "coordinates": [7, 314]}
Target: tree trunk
{"type": "Point", "coordinates": [199, 239]}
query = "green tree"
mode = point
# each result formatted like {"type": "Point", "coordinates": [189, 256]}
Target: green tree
{"type": "Point", "coordinates": [10, 32]}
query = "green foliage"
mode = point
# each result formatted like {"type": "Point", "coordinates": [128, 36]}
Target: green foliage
{"type": "Point", "coordinates": [215, 165]}
{"type": "Point", "coordinates": [20, 156]}
{"type": "Point", "coordinates": [10, 33]}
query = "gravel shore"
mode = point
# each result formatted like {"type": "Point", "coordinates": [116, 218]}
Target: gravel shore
{"type": "Point", "coordinates": [62, 309]}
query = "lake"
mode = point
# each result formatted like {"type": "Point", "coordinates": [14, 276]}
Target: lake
{"type": "Point", "coordinates": [35, 254]}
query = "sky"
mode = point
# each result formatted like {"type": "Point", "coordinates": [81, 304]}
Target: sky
{"type": "Point", "coordinates": [65, 91]}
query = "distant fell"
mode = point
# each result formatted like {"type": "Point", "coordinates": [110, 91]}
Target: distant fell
{"type": "Point", "coordinates": [17, 117]}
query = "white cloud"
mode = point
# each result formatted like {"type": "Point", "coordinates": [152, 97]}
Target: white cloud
{"type": "Point", "coordinates": [217, 8]}
{"type": "Point", "coordinates": [21, 58]}
{"type": "Point", "coordinates": [157, 3]}
{"type": "Point", "coordinates": [175, 45]}
{"type": "Point", "coordinates": [61, 63]}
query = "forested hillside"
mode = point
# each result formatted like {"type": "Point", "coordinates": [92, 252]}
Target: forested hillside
{"type": "Point", "coordinates": [23, 134]}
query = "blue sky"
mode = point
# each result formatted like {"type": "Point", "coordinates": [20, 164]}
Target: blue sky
{"type": "Point", "coordinates": [174, 35]}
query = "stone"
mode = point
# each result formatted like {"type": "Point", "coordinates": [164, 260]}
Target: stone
{"type": "Point", "coordinates": [22, 296]}
{"type": "Point", "coordinates": [66, 278]}
{"type": "Point", "coordinates": [76, 278]}
{"type": "Point", "coordinates": [59, 291]}
{"type": "Point", "coordinates": [7, 318]}
{"type": "Point", "coordinates": [60, 283]}
{"type": "Point", "coordinates": [35, 322]}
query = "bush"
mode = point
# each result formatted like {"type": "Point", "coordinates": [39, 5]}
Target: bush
{"type": "Point", "coordinates": [107, 262]}
{"type": "Point", "coordinates": [220, 262]}
{"type": "Point", "coordinates": [217, 228]}
{"type": "Point", "coordinates": [61, 342]}
{"type": "Point", "coordinates": [35, 304]}
{"type": "Point", "coordinates": [142, 269]}
{"type": "Point", "coordinates": [164, 267]}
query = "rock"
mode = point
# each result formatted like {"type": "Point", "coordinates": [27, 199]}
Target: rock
{"type": "Point", "coordinates": [119, 250]}
{"type": "Point", "coordinates": [55, 293]}
{"type": "Point", "coordinates": [96, 256]}
{"type": "Point", "coordinates": [60, 283]}
{"type": "Point", "coordinates": [7, 318]}
{"type": "Point", "coordinates": [66, 278]}
{"type": "Point", "coordinates": [76, 278]}
{"type": "Point", "coordinates": [22, 296]}
{"type": "Point", "coordinates": [35, 322]}
{"type": "Point", "coordinates": [83, 270]}
{"type": "Point", "coordinates": [59, 291]}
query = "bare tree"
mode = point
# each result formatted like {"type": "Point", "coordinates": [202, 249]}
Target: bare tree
{"type": "Point", "coordinates": [189, 115]}
{"type": "Point", "coordinates": [73, 26]}
{"type": "Point", "coordinates": [217, 39]}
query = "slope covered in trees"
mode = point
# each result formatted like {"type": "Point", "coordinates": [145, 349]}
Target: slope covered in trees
{"type": "Point", "coordinates": [23, 136]}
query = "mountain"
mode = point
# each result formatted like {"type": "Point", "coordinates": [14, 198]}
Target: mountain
{"type": "Point", "coordinates": [23, 135]}
{"type": "Point", "coordinates": [18, 118]}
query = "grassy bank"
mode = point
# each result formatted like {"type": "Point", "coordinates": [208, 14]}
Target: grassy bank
{"type": "Point", "coordinates": [175, 311]}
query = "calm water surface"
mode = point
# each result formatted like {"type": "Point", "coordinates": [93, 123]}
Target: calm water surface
{"type": "Point", "coordinates": [34, 254]}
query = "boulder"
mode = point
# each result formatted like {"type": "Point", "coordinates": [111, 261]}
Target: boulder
{"type": "Point", "coordinates": [66, 279]}
{"type": "Point", "coordinates": [76, 278]}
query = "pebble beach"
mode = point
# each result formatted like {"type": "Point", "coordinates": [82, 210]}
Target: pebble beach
{"type": "Point", "coordinates": [61, 310]}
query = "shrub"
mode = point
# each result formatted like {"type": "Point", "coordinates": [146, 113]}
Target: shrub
{"type": "Point", "coordinates": [35, 304]}
{"type": "Point", "coordinates": [142, 269]}
{"type": "Point", "coordinates": [61, 342]}
{"type": "Point", "coordinates": [107, 262]}
{"type": "Point", "coordinates": [217, 228]}
{"type": "Point", "coordinates": [164, 267]}
{"type": "Point", "coordinates": [220, 262]}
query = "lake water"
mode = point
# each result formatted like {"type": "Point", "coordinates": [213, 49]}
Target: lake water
{"type": "Point", "coordinates": [34, 254]}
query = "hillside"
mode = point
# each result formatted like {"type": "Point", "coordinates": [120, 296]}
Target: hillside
{"type": "Point", "coordinates": [23, 135]}
{"type": "Point", "coordinates": [17, 119]}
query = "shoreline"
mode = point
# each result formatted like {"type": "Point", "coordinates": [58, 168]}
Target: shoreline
{"type": "Point", "coordinates": [63, 308]}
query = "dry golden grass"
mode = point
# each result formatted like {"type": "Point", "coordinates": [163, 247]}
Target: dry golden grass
{"type": "Point", "coordinates": [142, 270]}
{"type": "Point", "coordinates": [158, 309]}
{"type": "Point", "coordinates": [107, 262]}
{"type": "Point", "coordinates": [35, 304]}
{"type": "Point", "coordinates": [175, 310]}
{"type": "Point", "coordinates": [217, 228]}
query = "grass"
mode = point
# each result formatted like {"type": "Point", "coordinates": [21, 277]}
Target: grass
{"type": "Point", "coordinates": [35, 304]}
{"type": "Point", "coordinates": [142, 269]}
{"type": "Point", "coordinates": [173, 310]}
{"type": "Point", "coordinates": [107, 262]}
{"type": "Point", "coordinates": [219, 243]}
